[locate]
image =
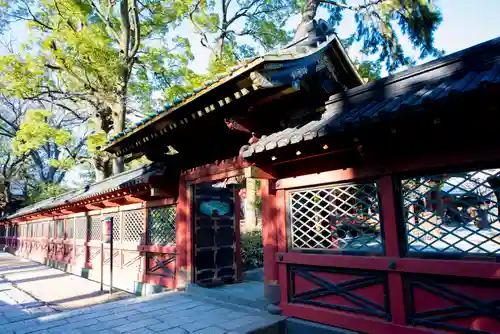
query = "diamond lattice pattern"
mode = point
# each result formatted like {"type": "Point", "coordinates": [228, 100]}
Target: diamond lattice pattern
{"type": "Point", "coordinates": [81, 228]}
{"type": "Point", "coordinates": [161, 226]}
{"type": "Point", "coordinates": [456, 213]}
{"type": "Point", "coordinates": [133, 225]}
{"type": "Point", "coordinates": [116, 224]}
{"type": "Point", "coordinates": [70, 226]}
{"type": "Point", "coordinates": [95, 228]}
{"type": "Point", "coordinates": [341, 216]}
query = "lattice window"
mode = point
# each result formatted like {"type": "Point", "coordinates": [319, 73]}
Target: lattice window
{"type": "Point", "coordinates": [456, 213]}
{"type": "Point", "coordinates": [59, 229]}
{"type": "Point", "coordinates": [81, 228]}
{"type": "Point", "coordinates": [51, 229]}
{"type": "Point", "coordinates": [116, 225]}
{"type": "Point", "coordinates": [95, 228]}
{"type": "Point", "coordinates": [342, 216]}
{"type": "Point", "coordinates": [70, 227]}
{"type": "Point", "coordinates": [39, 230]}
{"type": "Point", "coordinates": [161, 225]}
{"type": "Point", "coordinates": [133, 223]}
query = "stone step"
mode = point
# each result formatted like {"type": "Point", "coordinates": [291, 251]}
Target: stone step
{"type": "Point", "coordinates": [248, 294]}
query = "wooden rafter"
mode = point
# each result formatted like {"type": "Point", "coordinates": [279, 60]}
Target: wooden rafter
{"type": "Point", "coordinates": [94, 206]}
{"type": "Point", "coordinates": [111, 203]}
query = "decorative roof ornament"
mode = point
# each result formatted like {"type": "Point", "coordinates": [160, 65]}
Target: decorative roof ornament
{"type": "Point", "coordinates": [311, 33]}
{"type": "Point", "coordinates": [209, 82]}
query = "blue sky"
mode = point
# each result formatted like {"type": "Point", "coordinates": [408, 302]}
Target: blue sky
{"type": "Point", "coordinates": [463, 25]}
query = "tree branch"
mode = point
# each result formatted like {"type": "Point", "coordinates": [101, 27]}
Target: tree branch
{"type": "Point", "coordinates": [204, 39]}
{"type": "Point", "coordinates": [355, 8]}
{"type": "Point", "coordinates": [108, 23]}
{"type": "Point", "coordinates": [34, 18]}
{"type": "Point", "coordinates": [125, 29]}
{"type": "Point", "coordinates": [137, 30]}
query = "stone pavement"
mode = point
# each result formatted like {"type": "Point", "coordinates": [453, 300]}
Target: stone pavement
{"type": "Point", "coordinates": [168, 312]}
{"type": "Point", "coordinates": [39, 288]}
{"type": "Point", "coordinates": [36, 298]}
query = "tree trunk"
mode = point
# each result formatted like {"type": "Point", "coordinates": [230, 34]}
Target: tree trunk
{"type": "Point", "coordinates": [307, 16]}
{"type": "Point", "coordinates": [102, 169]}
{"type": "Point", "coordinates": [119, 111]}
{"type": "Point", "coordinates": [102, 121]}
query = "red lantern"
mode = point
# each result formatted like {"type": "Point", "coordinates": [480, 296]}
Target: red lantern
{"type": "Point", "coordinates": [107, 233]}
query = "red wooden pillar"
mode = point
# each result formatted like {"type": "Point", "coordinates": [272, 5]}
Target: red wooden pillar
{"type": "Point", "coordinates": [183, 239]}
{"type": "Point", "coordinates": [88, 263]}
{"type": "Point", "coordinates": [269, 233]}
{"type": "Point", "coordinates": [142, 275]}
{"type": "Point", "coordinates": [237, 235]}
{"type": "Point", "coordinates": [393, 247]}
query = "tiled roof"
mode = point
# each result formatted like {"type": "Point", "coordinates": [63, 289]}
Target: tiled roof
{"type": "Point", "coordinates": [123, 180]}
{"type": "Point", "coordinates": [287, 54]}
{"type": "Point", "coordinates": [461, 72]}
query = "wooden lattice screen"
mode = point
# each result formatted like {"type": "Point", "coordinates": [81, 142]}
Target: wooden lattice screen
{"type": "Point", "coordinates": [161, 225]}
{"type": "Point", "coordinates": [81, 228]}
{"type": "Point", "coordinates": [133, 226]}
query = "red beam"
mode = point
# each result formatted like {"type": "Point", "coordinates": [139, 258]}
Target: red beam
{"type": "Point", "coordinates": [330, 260]}
{"type": "Point", "coordinates": [133, 199]}
{"type": "Point", "coordinates": [309, 180]}
{"type": "Point", "coordinates": [222, 168]}
{"type": "Point", "coordinates": [351, 321]}
{"type": "Point", "coordinates": [160, 202]}
{"type": "Point", "coordinates": [157, 249]}
{"type": "Point", "coordinates": [94, 206]}
{"type": "Point", "coordinates": [463, 267]}
{"type": "Point", "coordinates": [110, 203]}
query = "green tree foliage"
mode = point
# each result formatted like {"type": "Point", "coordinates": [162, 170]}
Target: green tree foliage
{"type": "Point", "coordinates": [369, 71]}
{"type": "Point", "coordinates": [107, 56]}
{"type": "Point", "coordinates": [226, 26]}
{"type": "Point", "coordinates": [380, 23]}
{"type": "Point", "coordinates": [35, 131]}
{"type": "Point", "coordinates": [44, 190]}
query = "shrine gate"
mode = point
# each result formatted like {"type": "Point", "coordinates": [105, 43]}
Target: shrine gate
{"type": "Point", "coordinates": [380, 201]}
{"type": "Point", "coordinates": [384, 213]}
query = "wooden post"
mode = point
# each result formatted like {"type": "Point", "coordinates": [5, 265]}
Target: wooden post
{"type": "Point", "coordinates": [237, 234]}
{"type": "Point", "coordinates": [111, 255]}
{"type": "Point", "coordinates": [393, 246]}
{"type": "Point", "coordinates": [144, 242]}
{"type": "Point", "coordinates": [183, 236]}
{"type": "Point", "coordinates": [102, 266]}
{"type": "Point", "coordinates": [269, 236]}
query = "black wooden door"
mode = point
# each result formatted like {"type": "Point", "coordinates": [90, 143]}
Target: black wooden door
{"type": "Point", "coordinates": [214, 235]}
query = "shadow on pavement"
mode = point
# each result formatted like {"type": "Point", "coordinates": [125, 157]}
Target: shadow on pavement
{"type": "Point", "coordinates": [39, 278]}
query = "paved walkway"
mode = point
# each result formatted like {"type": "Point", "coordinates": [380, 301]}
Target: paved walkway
{"type": "Point", "coordinates": [36, 310]}
{"type": "Point", "coordinates": [39, 288]}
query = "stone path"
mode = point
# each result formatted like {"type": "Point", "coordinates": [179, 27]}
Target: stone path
{"type": "Point", "coordinates": [34, 310]}
{"type": "Point", "coordinates": [169, 312]}
{"type": "Point", "coordinates": [32, 285]}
